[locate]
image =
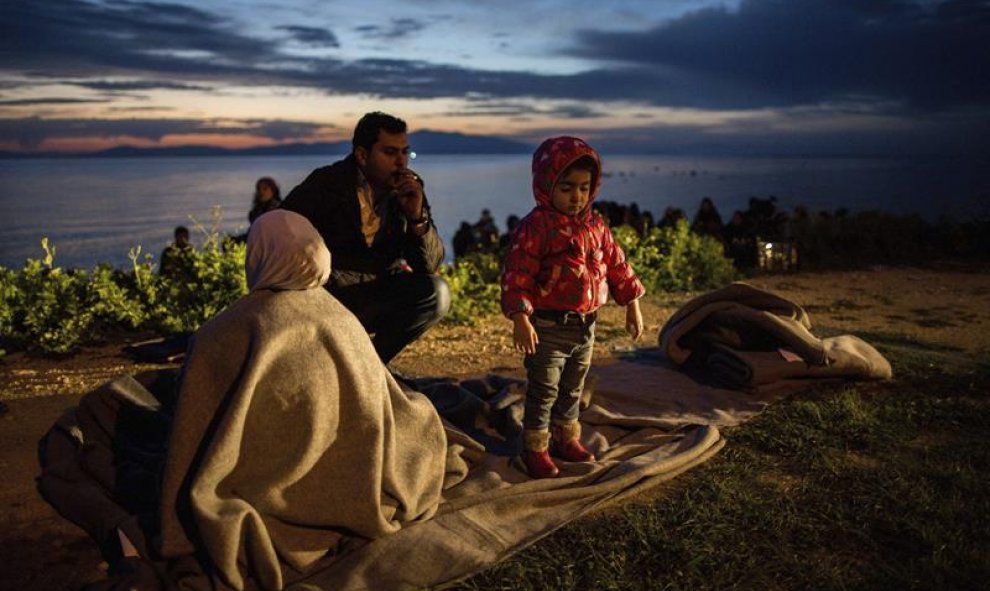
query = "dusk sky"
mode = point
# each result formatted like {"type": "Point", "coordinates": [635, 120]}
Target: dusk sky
{"type": "Point", "coordinates": [757, 76]}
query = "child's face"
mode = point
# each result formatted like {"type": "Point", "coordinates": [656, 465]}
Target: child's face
{"type": "Point", "coordinates": [572, 191]}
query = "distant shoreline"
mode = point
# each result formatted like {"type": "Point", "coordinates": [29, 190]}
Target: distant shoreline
{"type": "Point", "coordinates": [335, 151]}
{"type": "Point", "coordinates": [433, 142]}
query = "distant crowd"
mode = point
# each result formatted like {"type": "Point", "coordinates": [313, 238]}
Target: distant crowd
{"type": "Point", "coordinates": [760, 224]}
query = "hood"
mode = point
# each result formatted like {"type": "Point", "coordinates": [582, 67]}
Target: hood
{"type": "Point", "coordinates": [552, 157]}
{"type": "Point", "coordinates": [284, 251]}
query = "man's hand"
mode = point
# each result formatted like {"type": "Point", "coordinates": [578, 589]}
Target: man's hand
{"type": "Point", "coordinates": [409, 191]}
{"type": "Point", "coordinates": [634, 320]}
{"type": "Point", "coordinates": [523, 334]}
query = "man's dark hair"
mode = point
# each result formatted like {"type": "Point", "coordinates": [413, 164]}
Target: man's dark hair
{"type": "Point", "coordinates": [180, 230]}
{"type": "Point", "coordinates": [366, 132]}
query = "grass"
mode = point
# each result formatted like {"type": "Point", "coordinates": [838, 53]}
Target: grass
{"type": "Point", "coordinates": [851, 486]}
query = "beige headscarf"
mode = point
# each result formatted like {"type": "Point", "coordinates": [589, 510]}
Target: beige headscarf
{"type": "Point", "coordinates": [284, 251]}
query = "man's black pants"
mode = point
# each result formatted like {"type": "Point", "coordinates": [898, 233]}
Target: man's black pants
{"type": "Point", "coordinates": [397, 308]}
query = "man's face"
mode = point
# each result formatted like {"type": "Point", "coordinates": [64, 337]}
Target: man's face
{"type": "Point", "coordinates": [388, 157]}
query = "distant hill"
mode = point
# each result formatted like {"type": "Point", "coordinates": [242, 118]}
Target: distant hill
{"type": "Point", "coordinates": [440, 142]}
{"type": "Point", "coordinates": [422, 142]}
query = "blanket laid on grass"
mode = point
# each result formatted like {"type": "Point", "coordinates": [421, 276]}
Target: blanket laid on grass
{"type": "Point", "coordinates": [744, 338]}
{"type": "Point", "coordinates": [272, 462]}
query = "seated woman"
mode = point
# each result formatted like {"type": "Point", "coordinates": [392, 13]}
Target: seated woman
{"type": "Point", "coordinates": [289, 440]}
{"type": "Point", "coordinates": [267, 197]}
{"type": "Point", "coordinates": [288, 432]}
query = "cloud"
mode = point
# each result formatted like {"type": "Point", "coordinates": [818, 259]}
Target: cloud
{"type": "Point", "coordinates": [312, 35]}
{"type": "Point", "coordinates": [525, 109]}
{"type": "Point", "coordinates": [131, 85]}
{"type": "Point", "coordinates": [896, 57]}
{"type": "Point", "coordinates": [766, 54]}
{"type": "Point", "coordinates": [278, 129]}
{"type": "Point", "coordinates": [49, 101]}
{"type": "Point", "coordinates": [30, 132]}
{"type": "Point", "coordinates": [397, 28]}
{"type": "Point", "coordinates": [928, 57]}
{"type": "Point", "coordinates": [79, 38]}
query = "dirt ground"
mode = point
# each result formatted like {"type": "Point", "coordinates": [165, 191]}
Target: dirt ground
{"type": "Point", "coordinates": [948, 306]}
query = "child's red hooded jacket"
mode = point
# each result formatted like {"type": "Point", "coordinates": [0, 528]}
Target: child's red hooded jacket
{"type": "Point", "coordinates": [562, 262]}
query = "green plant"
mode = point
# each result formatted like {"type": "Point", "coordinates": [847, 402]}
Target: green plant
{"type": "Point", "coordinates": [112, 299]}
{"type": "Point", "coordinates": [48, 308]}
{"type": "Point", "coordinates": [51, 310]}
{"type": "Point", "coordinates": [675, 259]}
{"type": "Point", "coordinates": [205, 281]}
{"type": "Point", "coordinates": [474, 288]}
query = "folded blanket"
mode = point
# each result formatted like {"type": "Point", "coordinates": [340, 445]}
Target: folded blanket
{"type": "Point", "coordinates": [745, 338]}
{"type": "Point", "coordinates": [848, 357]}
{"type": "Point", "coordinates": [782, 318]}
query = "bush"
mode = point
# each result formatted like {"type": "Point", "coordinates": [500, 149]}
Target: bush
{"type": "Point", "coordinates": [675, 259]}
{"type": "Point", "coordinates": [45, 306]}
{"type": "Point", "coordinates": [51, 310]}
{"type": "Point", "coordinates": [669, 259]}
{"type": "Point", "coordinates": [474, 287]}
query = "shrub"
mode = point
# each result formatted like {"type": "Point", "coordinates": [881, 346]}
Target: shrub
{"type": "Point", "coordinates": [675, 259]}
{"type": "Point", "coordinates": [45, 307]}
{"type": "Point", "coordinates": [474, 287]}
{"type": "Point", "coordinates": [669, 259]}
{"type": "Point", "coordinates": [51, 310]}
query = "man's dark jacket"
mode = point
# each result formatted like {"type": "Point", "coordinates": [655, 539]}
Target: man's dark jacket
{"type": "Point", "coordinates": [328, 199]}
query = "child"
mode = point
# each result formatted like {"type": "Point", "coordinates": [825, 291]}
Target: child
{"type": "Point", "coordinates": [559, 270]}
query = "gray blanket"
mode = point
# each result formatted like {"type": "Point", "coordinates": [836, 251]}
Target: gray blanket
{"type": "Point", "coordinates": [746, 338]}
{"type": "Point", "coordinates": [281, 464]}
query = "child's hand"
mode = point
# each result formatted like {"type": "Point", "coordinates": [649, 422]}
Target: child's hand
{"type": "Point", "coordinates": [523, 334]}
{"type": "Point", "coordinates": [634, 320]}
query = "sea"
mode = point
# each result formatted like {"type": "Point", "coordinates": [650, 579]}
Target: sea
{"type": "Point", "coordinates": [98, 210]}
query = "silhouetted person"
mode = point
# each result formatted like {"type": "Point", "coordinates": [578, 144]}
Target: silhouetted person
{"type": "Point", "coordinates": [464, 240]}
{"type": "Point", "coordinates": [671, 216]}
{"type": "Point", "coordinates": [266, 198]}
{"type": "Point", "coordinates": [511, 223]}
{"type": "Point", "coordinates": [174, 258]}
{"type": "Point", "coordinates": [740, 242]}
{"type": "Point", "coordinates": [486, 232]}
{"type": "Point", "coordinates": [707, 221]}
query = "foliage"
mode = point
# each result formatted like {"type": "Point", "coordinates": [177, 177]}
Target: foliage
{"type": "Point", "coordinates": [48, 309]}
{"type": "Point", "coordinates": [45, 306]}
{"type": "Point", "coordinates": [668, 259]}
{"type": "Point", "coordinates": [474, 287]}
{"type": "Point", "coordinates": [674, 258]}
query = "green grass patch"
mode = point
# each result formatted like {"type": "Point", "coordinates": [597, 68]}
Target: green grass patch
{"type": "Point", "coordinates": [850, 486]}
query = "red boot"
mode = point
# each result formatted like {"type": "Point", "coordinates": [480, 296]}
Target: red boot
{"type": "Point", "coordinates": [536, 454]}
{"type": "Point", "coordinates": [567, 443]}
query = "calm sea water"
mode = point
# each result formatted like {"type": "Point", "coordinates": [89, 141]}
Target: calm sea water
{"type": "Point", "coordinates": [96, 210]}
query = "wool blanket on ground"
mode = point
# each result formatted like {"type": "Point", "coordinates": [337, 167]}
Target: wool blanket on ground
{"type": "Point", "coordinates": [286, 439]}
{"type": "Point", "coordinates": [286, 456]}
{"type": "Point", "coordinates": [745, 338]}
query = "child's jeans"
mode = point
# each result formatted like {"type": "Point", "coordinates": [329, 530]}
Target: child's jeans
{"type": "Point", "coordinates": [556, 372]}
